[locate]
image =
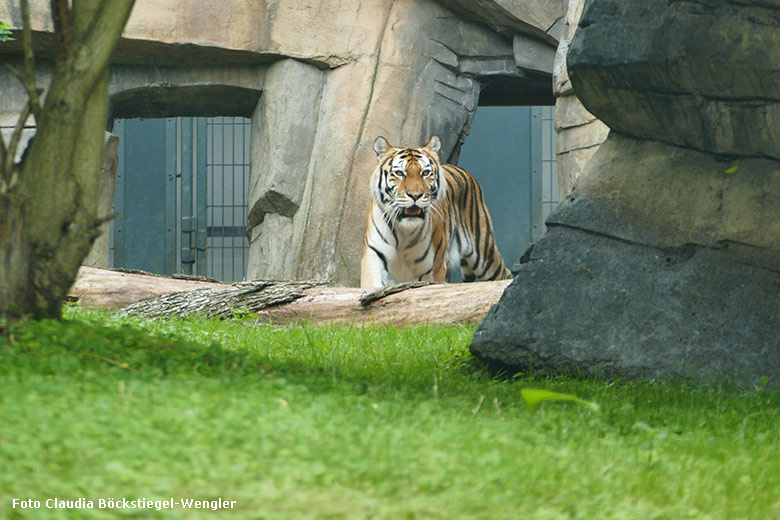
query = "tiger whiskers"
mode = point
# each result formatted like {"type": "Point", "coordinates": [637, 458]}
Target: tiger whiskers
{"type": "Point", "coordinates": [437, 210]}
{"type": "Point", "coordinates": [390, 213]}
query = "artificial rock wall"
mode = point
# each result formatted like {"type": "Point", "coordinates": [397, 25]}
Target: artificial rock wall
{"type": "Point", "coordinates": [320, 81]}
{"type": "Point", "coordinates": [579, 132]}
{"type": "Point", "coordinates": [420, 72]}
{"type": "Point", "coordinates": [664, 261]}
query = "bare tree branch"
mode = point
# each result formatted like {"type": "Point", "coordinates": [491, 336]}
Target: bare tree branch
{"type": "Point", "coordinates": [107, 218]}
{"type": "Point", "coordinates": [96, 27]}
{"type": "Point", "coordinates": [28, 80]}
{"type": "Point", "coordinates": [63, 25]}
{"type": "Point", "coordinates": [100, 35]}
{"type": "Point", "coordinates": [8, 158]}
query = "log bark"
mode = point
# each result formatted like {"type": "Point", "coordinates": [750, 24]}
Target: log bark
{"type": "Point", "coordinates": [457, 303]}
{"type": "Point", "coordinates": [116, 289]}
{"type": "Point", "coordinates": [240, 299]}
{"type": "Point", "coordinates": [286, 302]}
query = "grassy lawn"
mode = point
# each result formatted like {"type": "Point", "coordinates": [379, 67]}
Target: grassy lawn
{"type": "Point", "coordinates": [338, 422]}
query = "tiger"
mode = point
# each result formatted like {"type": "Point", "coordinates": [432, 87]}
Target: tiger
{"type": "Point", "coordinates": [424, 219]}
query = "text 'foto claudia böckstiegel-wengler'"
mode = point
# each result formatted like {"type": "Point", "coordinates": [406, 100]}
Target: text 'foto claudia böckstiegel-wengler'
{"type": "Point", "coordinates": [123, 503]}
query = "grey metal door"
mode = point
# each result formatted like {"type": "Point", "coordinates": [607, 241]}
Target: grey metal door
{"type": "Point", "coordinates": [143, 234]}
{"type": "Point", "coordinates": [181, 193]}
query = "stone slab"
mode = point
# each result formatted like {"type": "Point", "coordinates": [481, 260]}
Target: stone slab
{"type": "Point", "coordinates": [583, 136]}
{"type": "Point", "coordinates": [100, 253]}
{"type": "Point", "coordinates": [570, 113]}
{"type": "Point", "coordinates": [508, 17]}
{"type": "Point", "coordinates": [533, 54]}
{"type": "Point", "coordinates": [284, 126]}
{"type": "Point", "coordinates": [570, 166]}
{"type": "Point", "coordinates": [589, 304]}
{"type": "Point", "coordinates": [653, 193]}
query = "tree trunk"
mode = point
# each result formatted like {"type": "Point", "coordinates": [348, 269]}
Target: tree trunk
{"type": "Point", "coordinates": [53, 200]}
{"type": "Point", "coordinates": [13, 256]}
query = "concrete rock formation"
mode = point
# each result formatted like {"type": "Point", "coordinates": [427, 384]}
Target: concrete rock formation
{"type": "Point", "coordinates": [579, 132]}
{"type": "Point", "coordinates": [682, 74]}
{"type": "Point", "coordinates": [664, 261]}
{"type": "Point", "coordinates": [320, 81]}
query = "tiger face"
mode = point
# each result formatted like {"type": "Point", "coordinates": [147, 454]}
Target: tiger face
{"type": "Point", "coordinates": [408, 182]}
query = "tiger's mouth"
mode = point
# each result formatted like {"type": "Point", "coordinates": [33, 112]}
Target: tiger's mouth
{"type": "Point", "coordinates": [413, 212]}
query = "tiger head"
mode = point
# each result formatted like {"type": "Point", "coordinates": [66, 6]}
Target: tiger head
{"type": "Point", "coordinates": [408, 181]}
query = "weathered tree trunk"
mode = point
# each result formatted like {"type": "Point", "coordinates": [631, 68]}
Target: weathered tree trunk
{"type": "Point", "coordinates": [49, 210]}
{"type": "Point", "coordinates": [13, 255]}
{"type": "Point", "coordinates": [286, 302]}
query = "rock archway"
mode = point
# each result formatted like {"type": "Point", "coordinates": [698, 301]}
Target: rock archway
{"type": "Point", "coordinates": [424, 76]}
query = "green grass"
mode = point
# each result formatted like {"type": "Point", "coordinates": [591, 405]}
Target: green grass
{"type": "Point", "coordinates": [377, 422]}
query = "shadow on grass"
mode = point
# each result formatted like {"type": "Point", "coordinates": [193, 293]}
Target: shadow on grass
{"type": "Point", "coordinates": [102, 343]}
{"type": "Point", "coordinates": [50, 347]}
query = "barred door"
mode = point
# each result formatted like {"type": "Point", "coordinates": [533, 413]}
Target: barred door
{"type": "Point", "coordinates": [227, 185]}
{"type": "Point", "coordinates": [181, 192]}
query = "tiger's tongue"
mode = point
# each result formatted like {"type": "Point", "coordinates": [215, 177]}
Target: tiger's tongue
{"type": "Point", "coordinates": [413, 210]}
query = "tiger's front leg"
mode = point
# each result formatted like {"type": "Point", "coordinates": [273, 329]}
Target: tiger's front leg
{"type": "Point", "coordinates": [373, 269]}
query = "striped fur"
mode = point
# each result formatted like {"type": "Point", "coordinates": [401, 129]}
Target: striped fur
{"type": "Point", "coordinates": [425, 218]}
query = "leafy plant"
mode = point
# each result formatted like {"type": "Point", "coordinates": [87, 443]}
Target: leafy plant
{"type": "Point", "coordinates": [5, 32]}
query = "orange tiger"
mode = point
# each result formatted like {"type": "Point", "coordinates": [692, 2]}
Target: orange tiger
{"type": "Point", "coordinates": [425, 218]}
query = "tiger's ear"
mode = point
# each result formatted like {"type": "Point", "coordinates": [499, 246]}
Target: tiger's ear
{"type": "Point", "coordinates": [434, 144]}
{"type": "Point", "coordinates": [381, 146]}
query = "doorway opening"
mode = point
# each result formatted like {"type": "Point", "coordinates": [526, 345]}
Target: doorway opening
{"type": "Point", "coordinates": [511, 152]}
{"type": "Point", "coordinates": [181, 193]}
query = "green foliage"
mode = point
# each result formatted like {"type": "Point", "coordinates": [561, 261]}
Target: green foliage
{"type": "Point", "coordinates": [5, 32]}
{"type": "Point", "coordinates": [347, 422]}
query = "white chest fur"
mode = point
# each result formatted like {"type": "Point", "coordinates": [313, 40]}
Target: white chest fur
{"type": "Point", "coordinates": [405, 247]}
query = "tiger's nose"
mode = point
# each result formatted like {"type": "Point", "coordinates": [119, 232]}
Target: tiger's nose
{"type": "Point", "coordinates": [415, 196]}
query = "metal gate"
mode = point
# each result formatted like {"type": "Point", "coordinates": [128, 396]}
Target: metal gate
{"type": "Point", "coordinates": [181, 193]}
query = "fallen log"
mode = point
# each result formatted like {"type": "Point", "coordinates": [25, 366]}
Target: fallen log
{"type": "Point", "coordinates": [287, 302]}
{"type": "Point", "coordinates": [434, 303]}
{"type": "Point", "coordinates": [118, 288]}
{"type": "Point", "coordinates": [239, 299]}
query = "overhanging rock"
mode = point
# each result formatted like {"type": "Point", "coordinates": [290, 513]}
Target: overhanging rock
{"type": "Point", "coordinates": [683, 74]}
